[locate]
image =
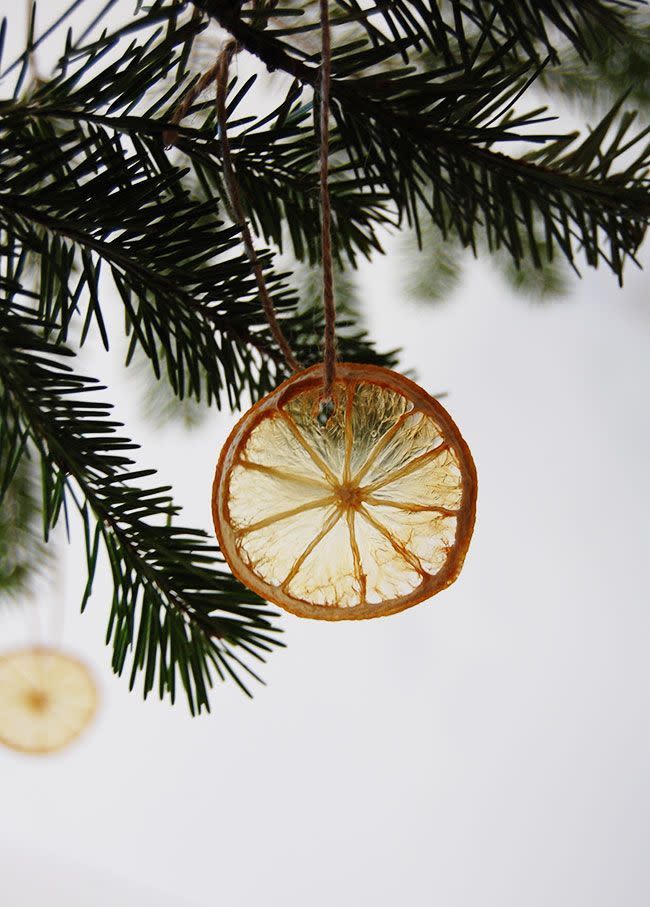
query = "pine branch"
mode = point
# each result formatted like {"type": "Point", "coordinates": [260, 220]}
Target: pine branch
{"type": "Point", "coordinates": [419, 130]}
{"type": "Point", "coordinates": [169, 255]}
{"type": "Point", "coordinates": [174, 609]}
{"type": "Point", "coordinates": [537, 24]}
{"type": "Point", "coordinates": [77, 195]}
{"type": "Point", "coordinates": [447, 30]}
{"type": "Point", "coordinates": [189, 304]}
{"type": "Point", "coordinates": [87, 91]}
{"type": "Point", "coordinates": [616, 68]}
{"type": "Point", "coordinates": [447, 120]}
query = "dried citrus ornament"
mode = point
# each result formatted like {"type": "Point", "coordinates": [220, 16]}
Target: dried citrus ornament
{"type": "Point", "coordinates": [46, 700]}
{"type": "Point", "coordinates": [347, 492]}
{"type": "Point", "coordinates": [363, 516]}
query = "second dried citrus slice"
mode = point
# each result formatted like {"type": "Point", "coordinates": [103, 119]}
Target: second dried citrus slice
{"type": "Point", "coordinates": [46, 700]}
{"type": "Point", "coordinates": [364, 516]}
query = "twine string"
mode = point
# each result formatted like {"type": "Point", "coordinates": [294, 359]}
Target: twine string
{"type": "Point", "coordinates": [329, 302]}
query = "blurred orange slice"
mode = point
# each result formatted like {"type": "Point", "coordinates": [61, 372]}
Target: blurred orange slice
{"type": "Point", "coordinates": [362, 517]}
{"type": "Point", "coordinates": [46, 700]}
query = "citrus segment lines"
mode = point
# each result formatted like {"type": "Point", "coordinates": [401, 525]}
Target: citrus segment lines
{"type": "Point", "coordinates": [397, 545]}
{"type": "Point", "coordinates": [411, 507]}
{"type": "Point", "coordinates": [381, 443]}
{"type": "Point", "coordinates": [282, 474]}
{"type": "Point", "coordinates": [285, 514]}
{"type": "Point", "coordinates": [410, 467]}
{"type": "Point", "coordinates": [329, 524]}
{"type": "Point", "coordinates": [358, 566]}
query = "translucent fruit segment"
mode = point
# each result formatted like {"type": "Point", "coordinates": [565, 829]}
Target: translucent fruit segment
{"type": "Point", "coordinates": [272, 443]}
{"type": "Point", "coordinates": [427, 536]}
{"type": "Point", "coordinates": [327, 575]}
{"type": "Point", "coordinates": [415, 436]}
{"type": "Point", "coordinates": [375, 414]}
{"type": "Point", "coordinates": [328, 441]}
{"type": "Point", "coordinates": [436, 482]}
{"type": "Point", "coordinates": [272, 551]}
{"type": "Point", "coordinates": [388, 574]}
{"type": "Point", "coordinates": [262, 494]}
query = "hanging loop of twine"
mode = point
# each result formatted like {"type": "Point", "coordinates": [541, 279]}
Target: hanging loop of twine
{"type": "Point", "coordinates": [219, 73]}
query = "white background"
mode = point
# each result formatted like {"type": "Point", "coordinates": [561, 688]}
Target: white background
{"type": "Point", "coordinates": [488, 748]}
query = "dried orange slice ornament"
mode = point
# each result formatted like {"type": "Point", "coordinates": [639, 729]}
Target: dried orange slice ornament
{"type": "Point", "coordinates": [46, 700]}
{"type": "Point", "coordinates": [364, 516]}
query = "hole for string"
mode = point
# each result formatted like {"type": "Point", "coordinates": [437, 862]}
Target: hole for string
{"type": "Point", "coordinates": [326, 411]}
